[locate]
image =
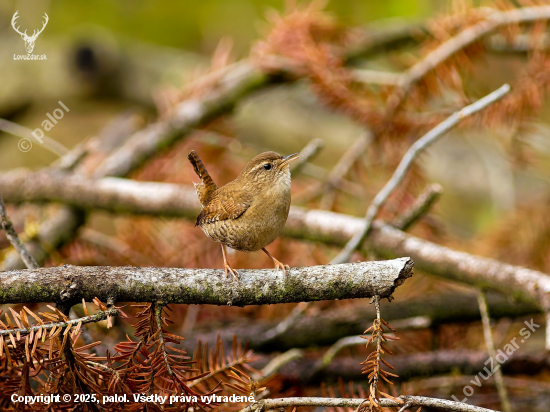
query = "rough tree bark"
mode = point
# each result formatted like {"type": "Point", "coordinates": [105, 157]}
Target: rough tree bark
{"type": "Point", "coordinates": [204, 286]}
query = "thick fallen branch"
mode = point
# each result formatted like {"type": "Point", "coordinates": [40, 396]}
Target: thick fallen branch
{"type": "Point", "coordinates": [333, 228]}
{"type": "Point", "coordinates": [204, 286]}
{"type": "Point", "coordinates": [272, 404]}
{"type": "Point", "coordinates": [328, 326]}
{"type": "Point", "coordinates": [164, 199]}
{"type": "Point", "coordinates": [113, 194]}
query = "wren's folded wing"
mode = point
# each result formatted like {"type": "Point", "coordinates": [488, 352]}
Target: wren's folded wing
{"type": "Point", "coordinates": [223, 207]}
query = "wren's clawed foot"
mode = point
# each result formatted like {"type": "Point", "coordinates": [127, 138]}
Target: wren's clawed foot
{"type": "Point", "coordinates": [229, 269]}
{"type": "Point", "coordinates": [278, 265]}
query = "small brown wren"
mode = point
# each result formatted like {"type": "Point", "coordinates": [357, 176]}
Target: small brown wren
{"type": "Point", "coordinates": [248, 213]}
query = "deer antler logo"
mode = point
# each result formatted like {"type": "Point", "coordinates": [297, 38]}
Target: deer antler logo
{"type": "Point", "coordinates": [29, 40]}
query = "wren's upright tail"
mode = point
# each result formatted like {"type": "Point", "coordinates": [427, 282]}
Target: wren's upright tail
{"type": "Point", "coordinates": [206, 188]}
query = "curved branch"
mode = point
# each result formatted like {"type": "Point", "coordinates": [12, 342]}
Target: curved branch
{"type": "Point", "coordinates": [333, 228]}
{"type": "Point", "coordinates": [204, 286]}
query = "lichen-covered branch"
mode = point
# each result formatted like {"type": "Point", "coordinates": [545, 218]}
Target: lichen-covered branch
{"type": "Point", "coordinates": [204, 286]}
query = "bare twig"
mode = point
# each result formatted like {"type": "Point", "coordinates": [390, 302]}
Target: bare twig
{"type": "Point", "coordinates": [84, 333]}
{"type": "Point", "coordinates": [20, 131]}
{"type": "Point", "coordinates": [420, 207]}
{"type": "Point", "coordinates": [158, 307]}
{"type": "Point", "coordinates": [307, 154]}
{"type": "Point", "coordinates": [499, 380]}
{"type": "Point", "coordinates": [405, 407]}
{"type": "Point", "coordinates": [414, 365]}
{"type": "Point", "coordinates": [287, 322]}
{"type": "Point", "coordinates": [407, 162]}
{"type": "Point", "coordinates": [346, 162]}
{"type": "Point", "coordinates": [278, 362]}
{"type": "Point", "coordinates": [268, 404]}
{"type": "Point", "coordinates": [54, 232]}
{"type": "Point", "coordinates": [377, 330]}
{"type": "Point", "coordinates": [14, 239]}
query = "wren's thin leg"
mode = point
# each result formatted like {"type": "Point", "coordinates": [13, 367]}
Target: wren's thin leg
{"type": "Point", "coordinates": [227, 267]}
{"type": "Point", "coordinates": [278, 265]}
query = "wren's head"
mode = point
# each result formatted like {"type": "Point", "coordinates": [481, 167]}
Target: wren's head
{"type": "Point", "coordinates": [268, 169]}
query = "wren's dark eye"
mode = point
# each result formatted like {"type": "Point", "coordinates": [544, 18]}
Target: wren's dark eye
{"type": "Point", "coordinates": [267, 166]}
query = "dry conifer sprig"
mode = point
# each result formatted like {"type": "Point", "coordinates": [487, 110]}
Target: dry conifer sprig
{"type": "Point", "coordinates": [307, 42]}
{"type": "Point", "coordinates": [228, 371]}
{"type": "Point", "coordinates": [373, 363]}
{"type": "Point", "coordinates": [44, 358]}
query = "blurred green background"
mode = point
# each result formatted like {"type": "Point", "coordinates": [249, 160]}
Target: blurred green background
{"type": "Point", "coordinates": [194, 25]}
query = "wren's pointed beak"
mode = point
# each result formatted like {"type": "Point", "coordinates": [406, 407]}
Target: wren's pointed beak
{"type": "Point", "coordinates": [290, 158]}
